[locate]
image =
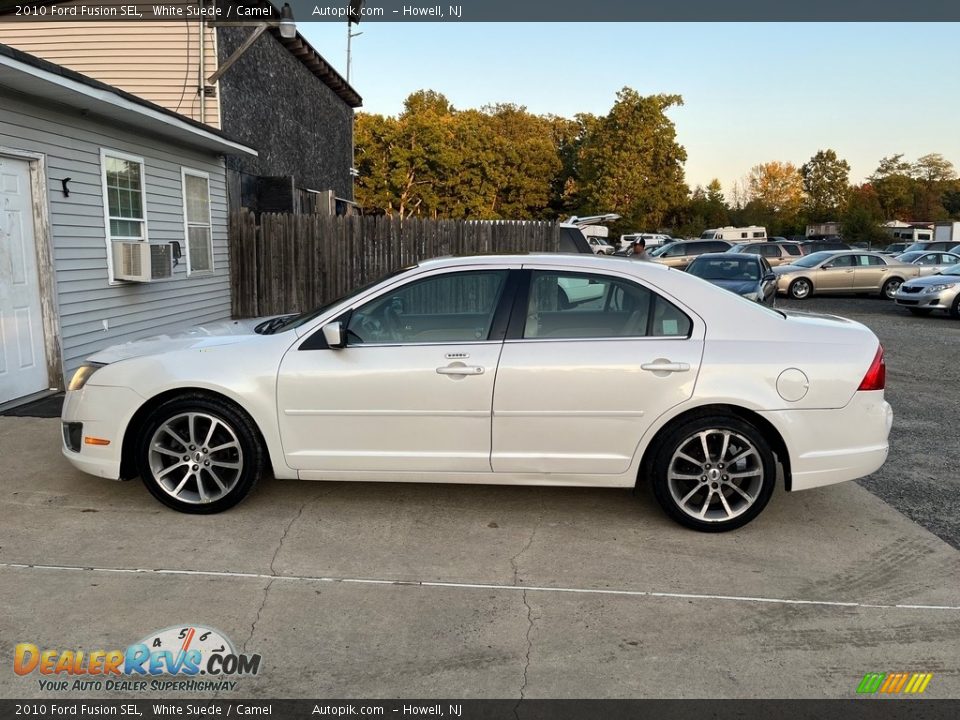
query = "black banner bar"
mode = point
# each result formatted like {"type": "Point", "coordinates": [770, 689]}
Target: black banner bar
{"type": "Point", "coordinates": [305, 11]}
{"type": "Point", "coordinates": [854, 709]}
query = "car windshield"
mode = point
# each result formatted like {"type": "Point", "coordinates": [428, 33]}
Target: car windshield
{"type": "Point", "coordinates": [282, 324]}
{"type": "Point", "coordinates": [657, 252]}
{"type": "Point", "coordinates": [812, 259]}
{"type": "Point", "coordinates": [952, 270]}
{"type": "Point", "coordinates": [726, 268]}
{"type": "Point", "coordinates": [911, 256]}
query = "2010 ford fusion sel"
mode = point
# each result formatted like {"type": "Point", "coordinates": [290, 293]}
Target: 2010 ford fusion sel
{"type": "Point", "coordinates": [528, 370]}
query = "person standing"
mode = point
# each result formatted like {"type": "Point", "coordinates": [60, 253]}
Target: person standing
{"type": "Point", "coordinates": [640, 251]}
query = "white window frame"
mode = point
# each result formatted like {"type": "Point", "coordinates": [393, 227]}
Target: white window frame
{"type": "Point", "coordinates": [184, 173]}
{"type": "Point", "coordinates": [104, 154]}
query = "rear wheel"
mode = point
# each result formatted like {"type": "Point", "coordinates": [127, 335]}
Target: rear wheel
{"type": "Point", "coordinates": [714, 474]}
{"type": "Point", "coordinates": [890, 287]}
{"type": "Point", "coordinates": [199, 455]}
{"type": "Point", "coordinates": [800, 289]}
{"type": "Point", "coordinates": [955, 307]}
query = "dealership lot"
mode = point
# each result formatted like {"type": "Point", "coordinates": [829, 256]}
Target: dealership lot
{"type": "Point", "coordinates": [379, 590]}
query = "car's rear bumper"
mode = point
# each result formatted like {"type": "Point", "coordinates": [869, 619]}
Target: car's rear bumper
{"type": "Point", "coordinates": [832, 446]}
{"type": "Point", "coordinates": [103, 412]}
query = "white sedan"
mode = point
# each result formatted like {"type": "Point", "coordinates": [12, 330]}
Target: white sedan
{"type": "Point", "coordinates": [498, 370]}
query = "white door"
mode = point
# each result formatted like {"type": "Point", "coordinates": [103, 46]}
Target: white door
{"type": "Point", "coordinates": [23, 366]}
{"type": "Point", "coordinates": [599, 360]}
{"type": "Point", "coordinates": [412, 390]}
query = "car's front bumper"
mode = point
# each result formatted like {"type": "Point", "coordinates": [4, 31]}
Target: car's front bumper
{"type": "Point", "coordinates": [941, 300]}
{"type": "Point", "coordinates": [102, 413]}
{"type": "Point", "coordinates": [832, 446]}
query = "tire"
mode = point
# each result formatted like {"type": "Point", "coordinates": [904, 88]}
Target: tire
{"type": "Point", "coordinates": [214, 444]}
{"type": "Point", "coordinates": [890, 288]}
{"type": "Point", "coordinates": [679, 485]}
{"type": "Point", "coordinates": [800, 289]}
{"type": "Point", "coordinates": [922, 312]}
{"type": "Point", "coordinates": [955, 307]}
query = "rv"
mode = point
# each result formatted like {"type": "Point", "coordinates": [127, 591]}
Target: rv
{"type": "Point", "coordinates": [751, 233]}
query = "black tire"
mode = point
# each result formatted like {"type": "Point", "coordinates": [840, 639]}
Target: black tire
{"type": "Point", "coordinates": [922, 312]}
{"type": "Point", "coordinates": [800, 289]}
{"type": "Point", "coordinates": [761, 490]}
{"type": "Point", "coordinates": [955, 307]}
{"type": "Point", "coordinates": [250, 452]}
{"type": "Point", "coordinates": [890, 288]}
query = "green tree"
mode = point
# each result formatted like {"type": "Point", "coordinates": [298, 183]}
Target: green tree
{"type": "Point", "coordinates": [631, 163]}
{"type": "Point", "coordinates": [826, 182]}
{"type": "Point", "coordinates": [893, 184]}
{"type": "Point", "coordinates": [863, 217]}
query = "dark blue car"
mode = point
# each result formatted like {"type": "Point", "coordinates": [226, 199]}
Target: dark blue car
{"type": "Point", "coordinates": [749, 276]}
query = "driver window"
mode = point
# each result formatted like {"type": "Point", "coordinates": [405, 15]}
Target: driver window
{"type": "Point", "coordinates": [843, 261]}
{"type": "Point", "coordinates": [454, 307]}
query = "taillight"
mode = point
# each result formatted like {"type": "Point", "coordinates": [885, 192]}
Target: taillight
{"type": "Point", "coordinates": [876, 377]}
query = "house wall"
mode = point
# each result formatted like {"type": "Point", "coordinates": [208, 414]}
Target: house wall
{"type": "Point", "coordinates": [71, 144]}
{"type": "Point", "coordinates": [158, 61]}
{"type": "Point", "coordinates": [310, 140]}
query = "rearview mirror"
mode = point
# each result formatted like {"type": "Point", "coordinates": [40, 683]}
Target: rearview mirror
{"type": "Point", "coordinates": [333, 334]}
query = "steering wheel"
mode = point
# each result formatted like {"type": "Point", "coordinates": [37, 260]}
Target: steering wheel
{"type": "Point", "coordinates": [392, 323]}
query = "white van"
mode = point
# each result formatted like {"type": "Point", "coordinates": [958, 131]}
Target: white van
{"type": "Point", "coordinates": [751, 233]}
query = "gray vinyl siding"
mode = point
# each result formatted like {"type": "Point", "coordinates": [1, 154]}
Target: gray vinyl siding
{"type": "Point", "coordinates": [71, 144]}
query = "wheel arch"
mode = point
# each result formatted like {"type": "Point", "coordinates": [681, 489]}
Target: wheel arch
{"type": "Point", "coordinates": [770, 433]}
{"type": "Point", "coordinates": [128, 465]}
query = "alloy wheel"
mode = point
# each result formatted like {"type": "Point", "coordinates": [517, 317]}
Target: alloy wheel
{"type": "Point", "coordinates": [715, 475]}
{"type": "Point", "coordinates": [800, 289]}
{"type": "Point", "coordinates": [195, 457]}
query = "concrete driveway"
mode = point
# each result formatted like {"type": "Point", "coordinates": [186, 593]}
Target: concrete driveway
{"type": "Point", "coordinates": [379, 590]}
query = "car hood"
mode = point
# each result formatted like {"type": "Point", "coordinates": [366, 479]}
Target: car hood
{"type": "Point", "coordinates": [224, 332]}
{"type": "Point", "coordinates": [740, 287]}
{"type": "Point", "coordinates": [928, 280]}
{"type": "Point", "coordinates": [786, 269]}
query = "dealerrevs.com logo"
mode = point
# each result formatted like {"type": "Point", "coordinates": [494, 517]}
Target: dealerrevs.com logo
{"type": "Point", "coordinates": [189, 658]}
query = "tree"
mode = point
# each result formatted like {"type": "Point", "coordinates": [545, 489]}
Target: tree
{"type": "Point", "coordinates": [826, 182]}
{"type": "Point", "coordinates": [863, 217]}
{"type": "Point", "coordinates": [892, 182]}
{"type": "Point", "coordinates": [776, 186]}
{"type": "Point", "coordinates": [630, 162]}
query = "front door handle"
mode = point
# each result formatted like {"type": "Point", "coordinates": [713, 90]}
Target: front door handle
{"type": "Point", "coordinates": [665, 366]}
{"type": "Point", "coordinates": [460, 369]}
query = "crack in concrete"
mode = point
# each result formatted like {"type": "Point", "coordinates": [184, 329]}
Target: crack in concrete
{"type": "Point", "coordinates": [273, 572]}
{"type": "Point", "coordinates": [526, 659]}
{"type": "Point", "coordinates": [515, 560]}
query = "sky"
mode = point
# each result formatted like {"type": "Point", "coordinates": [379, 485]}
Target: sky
{"type": "Point", "coordinates": [752, 92]}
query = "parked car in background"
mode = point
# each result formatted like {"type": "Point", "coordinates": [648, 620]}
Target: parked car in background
{"type": "Point", "coordinates": [600, 246]}
{"type": "Point", "coordinates": [852, 272]}
{"type": "Point", "coordinates": [894, 248]}
{"type": "Point", "coordinates": [775, 252]}
{"type": "Point", "coordinates": [680, 254]}
{"type": "Point", "coordinates": [808, 247]}
{"type": "Point", "coordinates": [930, 263]}
{"type": "Point", "coordinates": [939, 292]}
{"type": "Point", "coordinates": [708, 398]}
{"type": "Point", "coordinates": [651, 240]}
{"type": "Point", "coordinates": [749, 276]}
{"type": "Point", "coordinates": [932, 245]}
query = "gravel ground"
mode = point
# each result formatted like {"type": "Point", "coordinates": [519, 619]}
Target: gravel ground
{"type": "Point", "coordinates": [923, 384]}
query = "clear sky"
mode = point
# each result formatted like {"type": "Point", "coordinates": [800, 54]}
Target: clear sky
{"type": "Point", "coordinates": [752, 92]}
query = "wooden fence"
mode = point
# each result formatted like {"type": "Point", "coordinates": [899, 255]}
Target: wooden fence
{"type": "Point", "coordinates": [292, 263]}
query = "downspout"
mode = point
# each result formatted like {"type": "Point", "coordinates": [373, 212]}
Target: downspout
{"type": "Point", "coordinates": [201, 79]}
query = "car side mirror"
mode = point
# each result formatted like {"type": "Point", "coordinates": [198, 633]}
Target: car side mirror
{"type": "Point", "coordinates": [769, 277]}
{"type": "Point", "coordinates": [333, 334]}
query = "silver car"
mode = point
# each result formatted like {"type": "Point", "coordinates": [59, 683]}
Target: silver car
{"type": "Point", "coordinates": [930, 261]}
{"type": "Point", "coordinates": [922, 296]}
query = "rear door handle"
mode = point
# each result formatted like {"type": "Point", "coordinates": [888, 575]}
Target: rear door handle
{"type": "Point", "coordinates": [460, 370]}
{"type": "Point", "coordinates": [665, 366]}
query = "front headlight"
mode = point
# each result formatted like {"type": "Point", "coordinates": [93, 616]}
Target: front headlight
{"type": "Point", "coordinates": [83, 374]}
{"type": "Point", "coordinates": [937, 288]}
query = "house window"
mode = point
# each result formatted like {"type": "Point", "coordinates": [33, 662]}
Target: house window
{"type": "Point", "coordinates": [196, 220]}
{"type": "Point", "coordinates": [124, 200]}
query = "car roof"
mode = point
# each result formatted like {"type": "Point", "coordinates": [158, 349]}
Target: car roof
{"type": "Point", "coordinates": [729, 256]}
{"type": "Point", "coordinates": [584, 260]}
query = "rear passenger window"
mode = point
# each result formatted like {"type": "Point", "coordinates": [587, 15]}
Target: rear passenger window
{"type": "Point", "coordinates": [769, 250]}
{"type": "Point", "coordinates": [581, 306]}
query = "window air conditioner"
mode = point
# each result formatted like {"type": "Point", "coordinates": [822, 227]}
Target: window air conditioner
{"type": "Point", "coordinates": [142, 261]}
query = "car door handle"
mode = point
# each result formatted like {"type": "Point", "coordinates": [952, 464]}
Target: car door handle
{"type": "Point", "coordinates": [460, 370]}
{"type": "Point", "coordinates": [665, 366]}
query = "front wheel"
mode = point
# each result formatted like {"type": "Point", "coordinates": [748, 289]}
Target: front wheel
{"type": "Point", "coordinates": [714, 474]}
{"type": "Point", "coordinates": [890, 288]}
{"type": "Point", "coordinates": [800, 289]}
{"type": "Point", "coordinates": [199, 455]}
